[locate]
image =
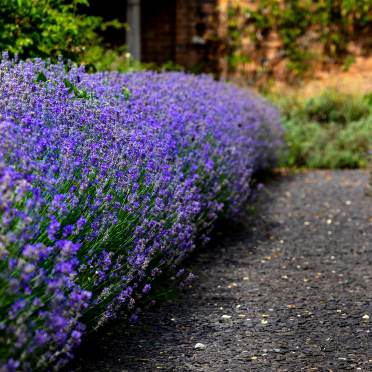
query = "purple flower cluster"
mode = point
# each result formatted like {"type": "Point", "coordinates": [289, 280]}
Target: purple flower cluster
{"type": "Point", "coordinates": [105, 180]}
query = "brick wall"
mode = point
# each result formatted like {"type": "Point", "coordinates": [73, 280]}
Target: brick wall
{"type": "Point", "coordinates": [183, 31]}
{"type": "Point", "coordinates": [197, 28]}
{"type": "Point", "coordinates": [158, 34]}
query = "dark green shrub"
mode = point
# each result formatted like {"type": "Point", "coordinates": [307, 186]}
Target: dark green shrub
{"type": "Point", "coordinates": [53, 28]}
{"type": "Point", "coordinates": [46, 28]}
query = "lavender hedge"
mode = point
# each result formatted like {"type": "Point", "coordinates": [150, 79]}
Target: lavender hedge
{"type": "Point", "coordinates": [106, 180]}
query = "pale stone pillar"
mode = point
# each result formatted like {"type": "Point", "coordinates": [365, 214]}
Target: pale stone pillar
{"type": "Point", "coordinates": [134, 32]}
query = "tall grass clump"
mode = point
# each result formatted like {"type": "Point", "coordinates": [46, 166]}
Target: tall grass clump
{"type": "Point", "coordinates": [107, 180]}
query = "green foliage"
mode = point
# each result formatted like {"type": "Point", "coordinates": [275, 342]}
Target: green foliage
{"type": "Point", "coordinates": [329, 131]}
{"type": "Point", "coordinates": [98, 58]}
{"type": "Point", "coordinates": [41, 77]}
{"type": "Point", "coordinates": [300, 24]}
{"type": "Point", "coordinates": [79, 93]}
{"type": "Point", "coordinates": [330, 106]}
{"type": "Point", "coordinates": [53, 28]}
{"type": "Point", "coordinates": [170, 66]}
{"type": "Point", "coordinates": [126, 93]}
{"type": "Point", "coordinates": [46, 28]}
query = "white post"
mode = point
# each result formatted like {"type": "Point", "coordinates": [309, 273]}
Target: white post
{"type": "Point", "coordinates": [134, 32]}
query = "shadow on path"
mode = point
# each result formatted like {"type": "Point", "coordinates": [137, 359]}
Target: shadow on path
{"type": "Point", "coordinates": [288, 290]}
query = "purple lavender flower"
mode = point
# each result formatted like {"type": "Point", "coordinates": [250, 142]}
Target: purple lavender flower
{"type": "Point", "coordinates": [100, 193]}
{"type": "Point", "coordinates": [147, 288]}
{"type": "Point", "coordinates": [53, 228]}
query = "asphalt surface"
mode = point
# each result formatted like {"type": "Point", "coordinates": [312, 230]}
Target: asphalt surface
{"type": "Point", "coordinates": [290, 289]}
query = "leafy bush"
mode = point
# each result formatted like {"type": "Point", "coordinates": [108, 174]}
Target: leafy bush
{"type": "Point", "coordinates": [54, 28]}
{"type": "Point", "coordinates": [106, 180]}
{"type": "Point", "coordinates": [44, 28]}
{"type": "Point", "coordinates": [333, 130]}
{"type": "Point", "coordinates": [330, 106]}
{"type": "Point", "coordinates": [369, 186]}
{"type": "Point", "coordinates": [311, 145]}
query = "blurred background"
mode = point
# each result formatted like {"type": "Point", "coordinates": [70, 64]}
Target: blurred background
{"type": "Point", "coordinates": [312, 58]}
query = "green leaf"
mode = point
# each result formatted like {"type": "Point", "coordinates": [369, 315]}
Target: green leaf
{"type": "Point", "coordinates": [71, 87]}
{"type": "Point", "coordinates": [126, 93]}
{"type": "Point", "coordinates": [41, 77]}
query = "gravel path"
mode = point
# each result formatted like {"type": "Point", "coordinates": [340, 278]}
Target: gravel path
{"type": "Point", "coordinates": [290, 290]}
